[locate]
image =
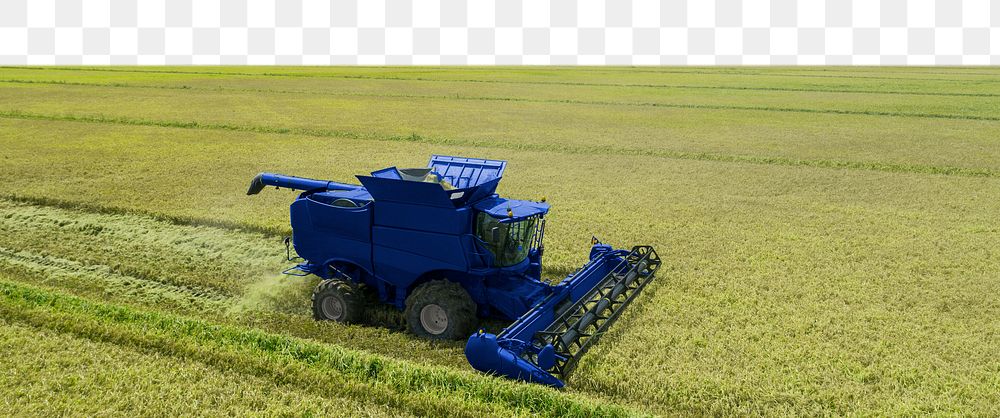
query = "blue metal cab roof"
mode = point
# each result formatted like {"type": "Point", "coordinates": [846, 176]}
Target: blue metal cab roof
{"type": "Point", "coordinates": [498, 207]}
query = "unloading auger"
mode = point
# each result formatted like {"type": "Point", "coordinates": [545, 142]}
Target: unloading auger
{"type": "Point", "coordinates": [439, 244]}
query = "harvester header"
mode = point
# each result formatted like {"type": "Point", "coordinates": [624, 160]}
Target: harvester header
{"type": "Point", "coordinates": [439, 244]}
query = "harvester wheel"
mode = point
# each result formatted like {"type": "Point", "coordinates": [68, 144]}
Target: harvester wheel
{"type": "Point", "coordinates": [337, 300]}
{"type": "Point", "coordinates": [440, 310]}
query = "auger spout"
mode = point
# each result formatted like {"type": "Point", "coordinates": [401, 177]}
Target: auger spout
{"type": "Point", "coordinates": [296, 183]}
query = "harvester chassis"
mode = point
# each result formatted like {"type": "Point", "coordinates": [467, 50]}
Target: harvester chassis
{"type": "Point", "coordinates": [438, 244]}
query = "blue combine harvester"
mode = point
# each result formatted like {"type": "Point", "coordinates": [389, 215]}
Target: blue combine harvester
{"type": "Point", "coordinates": [439, 244]}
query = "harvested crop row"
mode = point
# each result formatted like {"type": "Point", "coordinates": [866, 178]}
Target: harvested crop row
{"type": "Point", "coordinates": [78, 376]}
{"type": "Point", "coordinates": [322, 369]}
{"type": "Point", "coordinates": [180, 267]}
{"type": "Point", "coordinates": [104, 281]}
{"type": "Point", "coordinates": [208, 260]}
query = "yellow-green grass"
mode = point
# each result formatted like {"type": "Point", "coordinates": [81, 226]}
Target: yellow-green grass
{"type": "Point", "coordinates": [757, 255]}
{"type": "Point", "coordinates": [323, 369]}
{"type": "Point", "coordinates": [763, 93]}
{"type": "Point", "coordinates": [788, 288]}
{"type": "Point", "coordinates": [213, 273]}
{"type": "Point", "coordinates": [794, 128]}
{"type": "Point", "coordinates": [906, 80]}
{"type": "Point", "coordinates": [79, 376]}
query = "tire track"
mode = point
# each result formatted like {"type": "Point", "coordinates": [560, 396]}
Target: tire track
{"type": "Point", "coordinates": [493, 98]}
{"type": "Point", "coordinates": [67, 273]}
{"type": "Point", "coordinates": [560, 148]}
{"type": "Point", "coordinates": [171, 219]}
{"type": "Point", "coordinates": [209, 261]}
{"type": "Point", "coordinates": [439, 80]}
{"type": "Point", "coordinates": [960, 71]}
{"type": "Point", "coordinates": [249, 296]}
{"type": "Point", "coordinates": [582, 102]}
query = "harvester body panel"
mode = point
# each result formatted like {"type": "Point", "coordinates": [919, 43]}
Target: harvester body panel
{"type": "Point", "coordinates": [404, 227]}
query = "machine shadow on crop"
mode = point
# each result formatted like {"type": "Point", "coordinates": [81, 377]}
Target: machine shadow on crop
{"type": "Point", "coordinates": [290, 296]}
{"type": "Point", "coordinates": [380, 315]}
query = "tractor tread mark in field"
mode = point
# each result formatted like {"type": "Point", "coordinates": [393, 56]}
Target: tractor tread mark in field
{"type": "Point", "coordinates": [657, 86]}
{"type": "Point", "coordinates": [666, 105]}
{"type": "Point", "coordinates": [47, 268]}
{"type": "Point", "coordinates": [491, 81]}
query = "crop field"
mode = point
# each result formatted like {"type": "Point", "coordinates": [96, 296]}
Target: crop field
{"type": "Point", "coordinates": [830, 236]}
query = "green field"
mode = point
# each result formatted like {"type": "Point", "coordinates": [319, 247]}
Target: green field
{"type": "Point", "coordinates": [830, 236]}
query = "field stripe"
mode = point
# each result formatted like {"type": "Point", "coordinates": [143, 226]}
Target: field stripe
{"type": "Point", "coordinates": [955, 71]}
{"type": "Point", "coordinates": [289, 360]}
{"type": "Point", "coordinates": [524, 82]}
{"type": "Point", "coordinates": [556, 101]}
{"type": "Point", "coordinates": [109, 280]}
{"type": "Point", "coordinates": [172, 219]}
{"type": "Point", "coordinates": [433, 80]}
{"type": "Point", "coordinates": [553, 101]}
{"type": "Point", "coordinates": [737, 70]}
{"type": "Point", "coordinates": [728, 72]}
{"type": "Point", "coordinates": [262, 298]}
{"type": "Point", "coordinates": [958, 71]}
{"type": "Point", "coordinates": [624, 85]}
{"type": "Point", "coordinates": [559, 148]}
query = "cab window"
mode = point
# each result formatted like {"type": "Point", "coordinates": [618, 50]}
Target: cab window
{"type": "Point", "coordinates": [508, 242]}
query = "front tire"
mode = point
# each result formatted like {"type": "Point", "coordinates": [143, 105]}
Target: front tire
{"type": "Point", "coordinates": [440, 310]}
{"type": "Point", "coordinates": [337, 300]}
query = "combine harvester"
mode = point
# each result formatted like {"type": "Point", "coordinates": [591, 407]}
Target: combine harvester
{"type": "Point", "coordinates": [440, 245]}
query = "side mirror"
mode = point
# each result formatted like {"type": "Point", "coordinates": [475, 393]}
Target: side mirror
{"type": "Point", "coordinates": [495, 234]}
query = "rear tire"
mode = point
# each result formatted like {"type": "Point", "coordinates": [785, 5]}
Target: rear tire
{"type": "Point", "coordinates": [440, 310]}
{"type": "Point", "coordinates": [337, 300]}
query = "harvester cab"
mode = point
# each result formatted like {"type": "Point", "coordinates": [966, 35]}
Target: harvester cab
{"type": "Point", "coordinates": [439, 244]}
